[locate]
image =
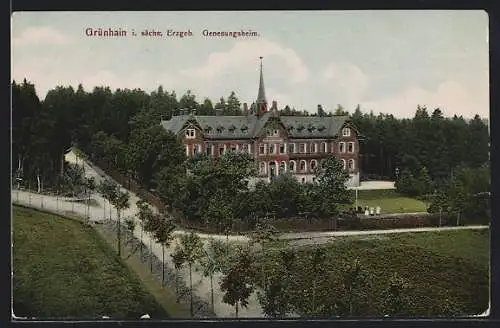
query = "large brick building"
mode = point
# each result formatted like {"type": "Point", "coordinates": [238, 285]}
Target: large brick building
{"type": "Point", "coordinates": [297, 144]}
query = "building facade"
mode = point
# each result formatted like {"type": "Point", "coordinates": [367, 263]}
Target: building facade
{"type": "Point", "coordinates": [279, 144]}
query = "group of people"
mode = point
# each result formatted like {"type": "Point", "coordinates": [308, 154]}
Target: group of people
{"type": "Point", "coordinates": [368, 211]}
{"type": "Point", "coordinates": [371, 211]}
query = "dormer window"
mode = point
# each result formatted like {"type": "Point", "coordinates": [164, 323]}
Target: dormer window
{"type": "Point", "coordinates": [220, 128]}
{"type": "Point", "coordinates": [244, 128]}
{"type": "Point", "coordinates": [346, 132]}
{"type": "Point", "coordinates": [190, 133]}
{"type": "Point", "coordinates": [269, 133]}
{"type": "Point", "coordinates": [321, 128]}
{"type": "Point", "coordinates": [300, 127]}
{"type": "Point", "coordinates": [310, 128]}
{"type": "Point", "coordinates": [232, 128]}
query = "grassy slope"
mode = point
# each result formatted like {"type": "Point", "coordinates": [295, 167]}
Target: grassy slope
{"type": "Point", "coordinates": [444, 269]}
{"type": "Point", "coordinates": [162, 293]}
{"type": "Point", "coordinates": [389, 201]}
{"type": "Point", "coordinates": [63, 270]}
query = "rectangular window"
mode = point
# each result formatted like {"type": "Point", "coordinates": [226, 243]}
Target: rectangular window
{"type": "Point", "coordinates": [315, 147]}
{"type": "Point", "coordinates": [346, 132]}
{"type": "Point", "coordinates": [302, 148]}
{"type": "Point", "coordinates": [272, 149]}
{"type": "Point", "coordinates": [291, 148]}
{"type": "Point", "coordinates": [282, 149]}
{"type": "Point", "coordinates": [262, 150]}
{"type": "Point", "coordinates": [342, 147]}
{"type": "Point", "coordinates": [350, 147]}
{"type": "Point", "coordinates": [190, 133]}
{"type": "Point", "coordinates": [209, 150]}
{"type": "Point", "coordinates": [221, 151]}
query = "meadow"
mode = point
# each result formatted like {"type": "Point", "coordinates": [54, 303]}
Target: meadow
{"type": "Point", "coordinates": [65, 270]}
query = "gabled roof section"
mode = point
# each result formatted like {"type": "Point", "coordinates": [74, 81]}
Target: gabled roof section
{"type": "Point", "coordinates": [313, 126]}
{"type": "Point", "coordinates": [215, 127]}
{"type": "Point", "coordinates": [260, 123]}
{"type": "Point", "coordinates": [175, 124]}
{"type": "Point", "coordinates": [246, 127]}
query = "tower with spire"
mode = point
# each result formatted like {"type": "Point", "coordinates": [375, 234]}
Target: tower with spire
{"type": "Point", "coordinates": [261, 103]}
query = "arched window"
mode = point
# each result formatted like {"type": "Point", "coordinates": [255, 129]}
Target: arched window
{"type": "Point", "coordinates": [303, 165]}
{"type": "Point", "coordinates": [343, 163]}
{"type": "Point", "coordinates": [291, 166]}
{"type": "Point", "coordinates": [313, 164]}
{"type": "Point", "coordinates": [303, 180]}
{"type": "Point", "coordinates": [324, 147]}
{"type": "Point", "coordinates": [282, 167]}
{"type": "Point", "coordinates": [314, 147]}
{"type": "Point", "coordinates": [351, 164]}
{"type": "Point", "coordinates": [262, 167]}
{"type": "Point", "coordinates": [323, 163]}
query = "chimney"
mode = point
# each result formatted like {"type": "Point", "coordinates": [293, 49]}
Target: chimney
{"type": "Point", "coordinates": [218, 111]}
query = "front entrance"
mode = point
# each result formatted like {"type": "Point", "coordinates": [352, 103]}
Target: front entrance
{"type": "Point", "coordinates": [272, 170]}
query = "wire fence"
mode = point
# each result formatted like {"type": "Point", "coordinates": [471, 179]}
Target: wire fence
{"type": "Point", "coordinates": [64, 205]}
{"type": "Point", "coordinates": [79, 208]}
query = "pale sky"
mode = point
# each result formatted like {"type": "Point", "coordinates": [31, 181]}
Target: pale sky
{"type": "Point", "coordinates": [386, 61]}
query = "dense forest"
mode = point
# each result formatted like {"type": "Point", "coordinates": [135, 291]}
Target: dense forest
{"type": "Point", "coordinates": [103, 121]}
{"type": "Point", "coordinates": [119, 130]}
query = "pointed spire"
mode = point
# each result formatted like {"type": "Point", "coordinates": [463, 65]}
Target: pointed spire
{"type": "Point", "coordinates": [261, 97]}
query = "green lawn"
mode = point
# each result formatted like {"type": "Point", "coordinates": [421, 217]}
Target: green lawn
{"type": "Point", "coordinates": [65, 270]}
{"type": "Point", "coordinates": [446, 272]}
{"type": "Point", "coordinates": [470, 245]}
{"type": "Point", "coordinates": [389, 201]}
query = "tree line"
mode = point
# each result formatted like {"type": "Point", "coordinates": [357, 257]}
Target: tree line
{"type": "Point", "coordinates": [119, 130]}
{"type": "Point", "coordinates": [103, 122]}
